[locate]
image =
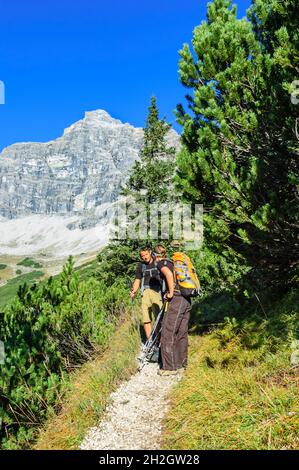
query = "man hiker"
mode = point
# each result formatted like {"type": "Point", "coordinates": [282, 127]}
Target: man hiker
{"type": "Point", "coordinates": [148, 279]}
{"type": "Point", "coordinates": [174, 334]}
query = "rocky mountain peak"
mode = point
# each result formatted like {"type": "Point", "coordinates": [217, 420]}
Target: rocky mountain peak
{"type": "Point", "coordinates": [100, 116]}
{"type": "Point", "coordinates": [73, 174]}
{"type": "Point", "coordinates": [95, 120]}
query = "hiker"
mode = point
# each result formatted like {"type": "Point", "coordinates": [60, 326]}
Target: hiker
{"type": "Point", "coordinates": [148, 279]}
{"type": "Point", "coordinates": [174, 334]}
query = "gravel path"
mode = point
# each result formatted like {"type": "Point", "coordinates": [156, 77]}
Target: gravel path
{"type": "Point", "coordinates": [134, 416]}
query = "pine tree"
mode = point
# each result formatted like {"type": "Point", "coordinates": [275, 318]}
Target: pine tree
{"type": "Point", "coordinates": [215, 166]}
{"type": "Point", "coordinates": [276, 25]}
{"type": "Point", "coordinates": [151, 176]}
{"type": "Point", "coordinates": [151, 179]}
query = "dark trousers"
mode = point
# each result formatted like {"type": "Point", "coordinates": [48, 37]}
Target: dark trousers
{"type": "Point", "coordinates": [174, 335]}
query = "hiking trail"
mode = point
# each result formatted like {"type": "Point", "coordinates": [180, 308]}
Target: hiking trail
{"type": "Point", "coordinates": [133, 419]}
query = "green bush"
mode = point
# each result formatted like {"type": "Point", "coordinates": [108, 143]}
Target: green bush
{"type": "Point", "coordinates": [48, 331]}
{"type": "Point", "coordinates": [10, 289]}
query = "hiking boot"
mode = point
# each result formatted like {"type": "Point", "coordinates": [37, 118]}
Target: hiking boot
{"type": "Point", "coordinates": [166, 373]}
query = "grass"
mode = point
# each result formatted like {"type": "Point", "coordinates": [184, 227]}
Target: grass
{"type": "Point", "coordinates": [30, 263]}
{"type": "Point", "coordinates": [10, 289]}
{"type": "Point", "coordinates": [87, 269]}
{"type": "Point", "coordinates": [88, 394]}
{"type": "Point", "coordinates": [234, 396]}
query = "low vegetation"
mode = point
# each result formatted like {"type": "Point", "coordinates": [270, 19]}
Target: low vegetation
{"type": "Point", "coordinates": [240, 390]}
{"type": "Point", "coordinates": [30, 263]}
{"type": "Point", "coordinates": [49, 330]}
{"type": "Point", "coordinates": [10, 289]}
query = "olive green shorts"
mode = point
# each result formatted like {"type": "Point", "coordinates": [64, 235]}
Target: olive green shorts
{"type": "Point", "coordinates": [151, 305]}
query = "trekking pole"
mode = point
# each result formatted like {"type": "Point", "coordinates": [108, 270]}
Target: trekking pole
{"type": "Point", "coordinates": [153, 332]}
{"type": "Point", "coordinates": [151, 341]}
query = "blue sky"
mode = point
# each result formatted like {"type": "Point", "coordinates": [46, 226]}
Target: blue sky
{"type": "Point", "coordinates": [60, 58]}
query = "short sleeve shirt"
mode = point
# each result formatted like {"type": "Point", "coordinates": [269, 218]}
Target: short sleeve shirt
{"type": "Point", "coordinates": [167, 263]}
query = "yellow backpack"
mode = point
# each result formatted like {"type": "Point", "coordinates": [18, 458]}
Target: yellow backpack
{"type": "Point", "coordinates": [185, 275]}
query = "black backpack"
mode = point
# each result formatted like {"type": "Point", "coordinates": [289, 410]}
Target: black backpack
{"type": "Point", "coordinates": [154, 274]}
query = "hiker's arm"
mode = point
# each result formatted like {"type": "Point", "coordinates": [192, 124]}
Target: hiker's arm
{"type": "Point", "coordinates": [169, 279]}
{"type": "Point", "coordinates": [135, 287]}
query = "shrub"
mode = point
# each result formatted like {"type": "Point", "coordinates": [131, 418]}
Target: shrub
{"type": "Point", "coordinates": [49, 330]}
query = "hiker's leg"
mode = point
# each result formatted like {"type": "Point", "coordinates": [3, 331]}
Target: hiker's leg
{"type": "Point", "coordinates": [146, 310]}
{"type": "Point", "coordinates": [169, 328]}
{"type": "Point", "coordinates": [156, 304]}
{"type": "Point", "coordinates": [182, 336]}
{"type": "Point", "coordinates": [151, 306]}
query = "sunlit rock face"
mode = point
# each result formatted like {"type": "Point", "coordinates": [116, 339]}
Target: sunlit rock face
{"type": "Point", "coordinates": [74, 173]}
{"type": "Point", "coordinates": [77, 175]}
